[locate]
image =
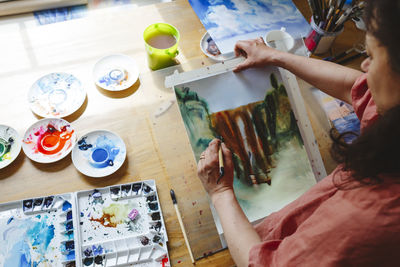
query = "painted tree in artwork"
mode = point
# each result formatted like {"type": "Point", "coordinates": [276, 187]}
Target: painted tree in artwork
{"type": "Point", "coordinates": [253, 132]}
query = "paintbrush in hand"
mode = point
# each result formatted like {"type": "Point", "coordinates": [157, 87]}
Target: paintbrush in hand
{"type": "Point", "coordinates": [220, 160]}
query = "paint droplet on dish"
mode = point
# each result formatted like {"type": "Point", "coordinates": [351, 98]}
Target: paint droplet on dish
{"type": "Point", "coordinates": [10, 220]}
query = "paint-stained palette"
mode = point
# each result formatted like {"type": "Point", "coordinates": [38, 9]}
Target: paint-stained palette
{"type": "Point", "coordinates": [99, 153]}
{"type": "Point", "coordinates": [210, 49]}
{"type": "Point", "coordinates": [115, 72]}
{"type": "Point", "coordinates": [38, 232]}
{"type": "Point", "coordinates": [56, 95]}
{"type": "Point", "coordinates": [10, 145]}
{"type": "Point", "coordinates": [49, 140]}
{"type": "Point", "coordinates": [121, 225]}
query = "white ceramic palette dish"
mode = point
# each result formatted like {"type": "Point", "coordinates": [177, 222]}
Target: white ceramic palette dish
{"type": "Point", "coordinates": [211, 50]}
{"type": "Point", "coordinates": [99, 153]}
{"type": "Point", "coordinates": [49, 140]}
{"type": "Point", "coordinates": [10, 145]}
{"type": "Point", "coordinates": [115, 72]}
{"type": "Point", "coordinates": [56, 95]}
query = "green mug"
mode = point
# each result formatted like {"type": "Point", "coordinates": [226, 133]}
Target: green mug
{"type": "Point", "coordinates": [161, 42]}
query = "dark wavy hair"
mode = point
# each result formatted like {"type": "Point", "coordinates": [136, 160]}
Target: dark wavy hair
{"type": "Point", "coordinates": [376, 151]}
{"type": "Point", "coordinates": [382, 19]}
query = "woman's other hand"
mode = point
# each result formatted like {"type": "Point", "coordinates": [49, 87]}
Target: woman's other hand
{"type": "Point", "coordinates": [256, 52]}
{"type": "Point", "coordinates": [208, 169]}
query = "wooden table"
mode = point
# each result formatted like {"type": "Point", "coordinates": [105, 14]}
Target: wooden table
{"type": "Point", "coordinates": [157, 146]}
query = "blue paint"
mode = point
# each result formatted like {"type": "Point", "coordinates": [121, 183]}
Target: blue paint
{"type": "Point", "coordinates": [19, 255]}
{"type": "Point", "coordinates": [70, 256]}
{"type": "Point", "coordinates": [82, 145]}
{"type": "Point", "coordinates": [99, 155]}
{"type": "Point", "coordinates": [69, 226]}
{"type": "Point", "coordinates": [69, 215]}
{"type": "Point", "coordinates": [105, 152]}
{"type": "Point", "coordinates": [97, 250]}
{"type": "Point", "coordinates": [70, 234]}
{"type": "Point", "coordinates": [10, 220]}
{"type": "Point", "coordinates": [48, 201]}
{"type": "Point", "coordinates": [88, 252]}
{"type": "Point", "coordinates": [66, 206]}
{"type": "Point", "coordinates": [41, 234]}
{"type": "Point", "coordinates": [30, 234]}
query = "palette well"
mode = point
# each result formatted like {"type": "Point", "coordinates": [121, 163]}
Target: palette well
{"type": "Point", "coordinates": [49, 140]}
{"type": "Point", "coordinates": [115, 72]}
{"type": "Point", "coordinates": [10, 145]}
{"type": "Point", "coordinates": [56, 95]}
{"type": "Point", "coordinates": [120, 225]}
{"type": "Point", "coordinates": [99, 153]}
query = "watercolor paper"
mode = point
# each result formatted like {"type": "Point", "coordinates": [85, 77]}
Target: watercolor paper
{"type": "Point", "coordinates": [230, 21]}
{"type": "Point", "coordinates": [251, 110]}
{"type": "Point", "coordinates": [56, 95]}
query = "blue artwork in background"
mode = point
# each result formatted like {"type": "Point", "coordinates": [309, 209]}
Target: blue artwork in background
{"type": "Point", "coordinates": [233, 20]}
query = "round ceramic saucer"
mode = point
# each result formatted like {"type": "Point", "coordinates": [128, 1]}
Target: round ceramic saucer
{"type": "Point", "coordinates": [115, 72]}
{"type": "Point", "coordinates": [10, 145]}
{"type": "Point", "coordinates": [99, 153]}
{"type": "Point", "coordinates": [56, 95]}
{"type": "Point", "coordinates": [49, 140]}
{"type": "Point", "coordinates": [211, 50]}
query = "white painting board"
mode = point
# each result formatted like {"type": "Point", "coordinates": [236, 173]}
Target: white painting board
{"type": "Point", "coordinates": [222, 90]}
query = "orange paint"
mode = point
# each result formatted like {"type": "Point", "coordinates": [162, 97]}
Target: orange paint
{"type": "Point", "coordinates": [52, 141]}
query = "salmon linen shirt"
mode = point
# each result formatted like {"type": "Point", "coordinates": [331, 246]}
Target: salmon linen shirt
{"type": "Point", "coordinates": [330, 226]}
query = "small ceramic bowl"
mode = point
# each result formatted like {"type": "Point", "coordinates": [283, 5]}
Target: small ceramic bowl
{"type": "Point", "coordinates": [211, 50]}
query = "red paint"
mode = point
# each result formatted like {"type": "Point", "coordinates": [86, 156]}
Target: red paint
{"type": "Point", "coordinates": [201, 212]}
{"type": "Point", "coordinates": [194, 203]}
{"type": "Point", "coordinates": [164, 261]}
{"type": "Point", "coordinates": [179, 261]}
{"type": "Point", "coordinates": [52, 140]}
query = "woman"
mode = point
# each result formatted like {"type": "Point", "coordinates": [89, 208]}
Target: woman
{"type": "Point", "coordinates": [352, 217]}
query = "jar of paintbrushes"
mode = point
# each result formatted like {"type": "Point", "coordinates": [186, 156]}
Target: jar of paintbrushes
{"type": "Point", "coordinates": [327, 22]}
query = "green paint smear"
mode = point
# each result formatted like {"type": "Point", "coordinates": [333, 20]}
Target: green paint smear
{"type": "Point", "coordinates": [5, 148]}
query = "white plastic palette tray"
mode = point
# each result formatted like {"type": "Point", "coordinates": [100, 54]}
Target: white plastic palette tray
{"type": "Point", "coordinates": [120, 225]}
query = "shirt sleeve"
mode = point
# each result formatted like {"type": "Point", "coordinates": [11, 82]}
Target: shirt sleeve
{"type": "Point", "coordinates": [341, 232]}
{"type": "Point", "coordinates": [363, 104]}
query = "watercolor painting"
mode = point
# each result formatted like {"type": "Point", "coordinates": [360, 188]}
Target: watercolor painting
{"type": "Point", "coordinates": [56, 95]}
{"type": "Point", "coordinates": [33, 233]}
{"type": "Point", "coordinates": [341, 115]}
{"type": "Point", "coordinates": [255, 119]}
{"type": "Point", "coordinates": [126, 219]}
{"type": "Point", "coordinates": [99, 153]}
{"type": "Point", "coordinates": [10, 145]}
{"type": "Point", "coordinates": [49, 140]}
{"type": "Point", "coordinates": [233, 20]}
